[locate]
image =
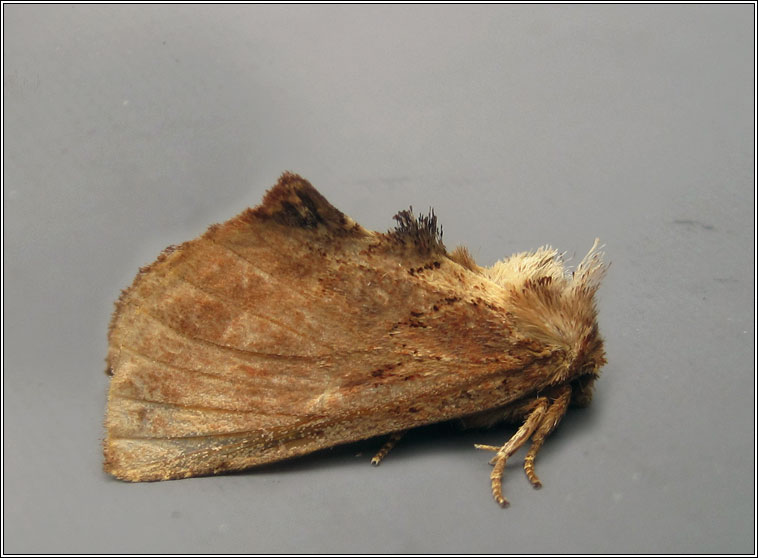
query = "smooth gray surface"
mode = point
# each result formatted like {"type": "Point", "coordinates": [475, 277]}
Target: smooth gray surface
{"type": "Point", "coordinates": [129, 128]}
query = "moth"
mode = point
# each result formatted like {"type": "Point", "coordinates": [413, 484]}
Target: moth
{"type": "Point", "coordinates": [291, 328]}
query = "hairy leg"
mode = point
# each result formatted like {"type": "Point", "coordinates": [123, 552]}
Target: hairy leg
{"type": "Point", "coordinates": [532, 422]}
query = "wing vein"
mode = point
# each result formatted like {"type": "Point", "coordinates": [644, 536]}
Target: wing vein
{"type": "Point", "coordinates": [269, 319]}
{"type": "Point", "coordinates": [203, 409]}
{"type": "Point", "coordinates": [243, 258]}
{"type": "Point", "coordinates": [252, 382]}
{"type": "Point", "coordinates": [245, 353]}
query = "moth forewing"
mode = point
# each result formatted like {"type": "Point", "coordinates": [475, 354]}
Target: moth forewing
{"type": "Point", "coordinates": [291, 328]}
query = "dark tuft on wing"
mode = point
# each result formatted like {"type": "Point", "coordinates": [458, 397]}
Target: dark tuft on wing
{"type": "Point", "coordinates": [421, 232]}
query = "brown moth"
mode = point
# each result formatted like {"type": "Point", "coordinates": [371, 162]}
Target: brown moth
{"type": "Point", "coordinates": [291, 328]}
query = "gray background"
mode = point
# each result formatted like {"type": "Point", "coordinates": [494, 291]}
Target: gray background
{"type": "Point", "coordinates": [129, 128]}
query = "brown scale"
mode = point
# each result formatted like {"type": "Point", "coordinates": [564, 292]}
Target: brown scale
{"type": "Point", "coordinates": [291, 328]}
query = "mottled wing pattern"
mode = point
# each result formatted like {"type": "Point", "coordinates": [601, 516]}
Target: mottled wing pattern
{"type": "Point", "coordinates": [290, 328]}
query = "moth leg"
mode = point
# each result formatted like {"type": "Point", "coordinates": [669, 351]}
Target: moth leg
{"type": "Point", "coordinates": [514, 414]}
{"type": "Point", "coordinates": [553, 416]}
{"type": "Point", "coordinates": [511, 446]}
{"type": "Point", "coordinates": [388, 445]}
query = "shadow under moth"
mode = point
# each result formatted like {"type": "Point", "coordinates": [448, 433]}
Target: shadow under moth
{"type": "Point", "coordinates": [291, 328]}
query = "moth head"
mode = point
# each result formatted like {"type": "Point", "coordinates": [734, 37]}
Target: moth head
{"type": "Point", "coordinates": [554, 305]}
{"type": "Point", "coordinates": [586, 368]}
